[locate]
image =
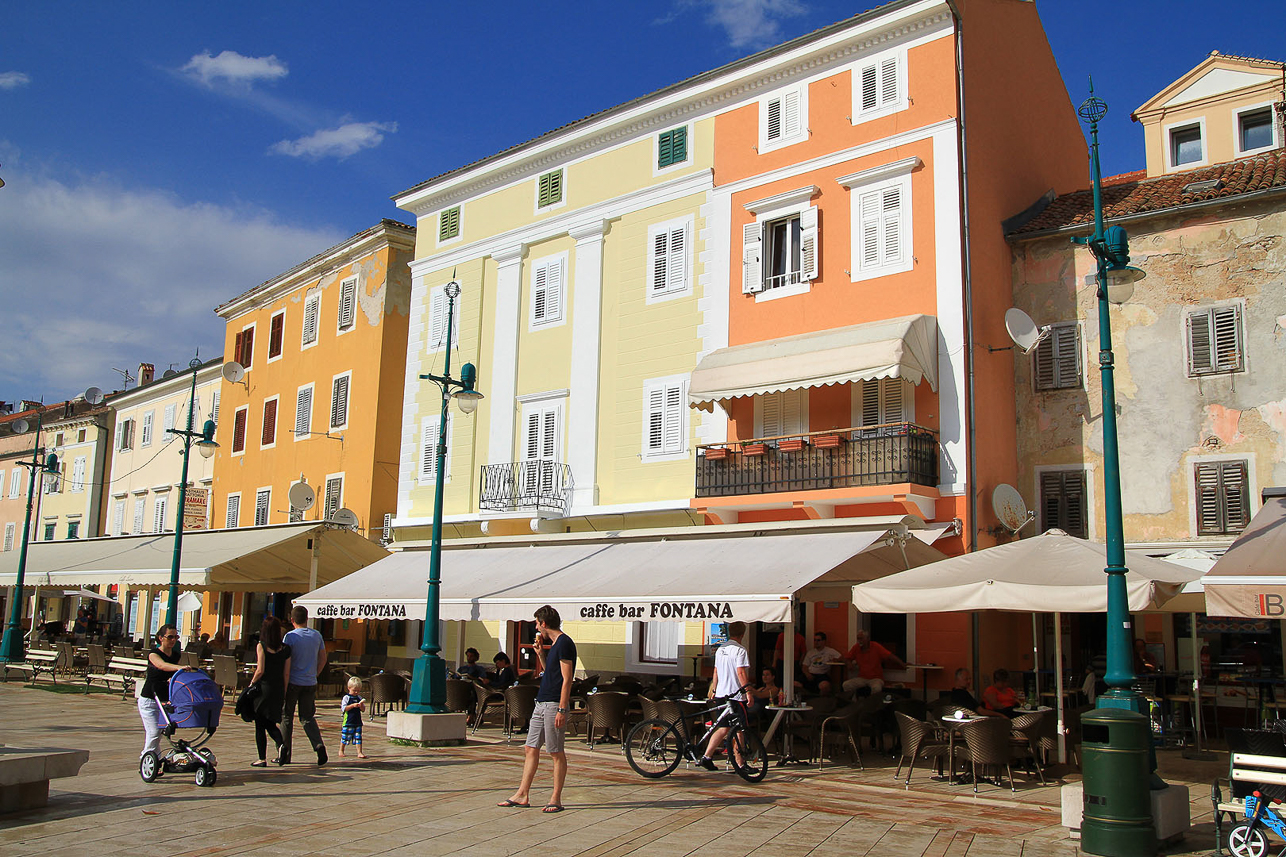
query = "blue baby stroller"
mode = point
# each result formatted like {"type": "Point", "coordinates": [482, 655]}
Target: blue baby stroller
{"type": "Point", "coordinates": [195, 703]}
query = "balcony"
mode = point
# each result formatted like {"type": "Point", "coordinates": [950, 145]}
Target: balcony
{"type": "Point", "coordinates": [539, 486]}
{"type": "Point", "coordinates": [890, 454]}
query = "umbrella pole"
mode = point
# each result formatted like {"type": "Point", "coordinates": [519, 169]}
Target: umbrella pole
{"type": "Point", "coordinates": [788, 655]}
{"type": "Point", "coordinates": [35, 604]}
{"type": "Point", "coordinates": [1058, 678]}
{"type": "Point", "coordinates": [1196, 680]}
{"type": "Point", "coordinates": [1035, 660]}
{"type": "Point", "coordinates": [313, 561]}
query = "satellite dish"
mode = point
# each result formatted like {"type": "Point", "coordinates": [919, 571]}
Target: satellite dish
{"type": "Point", "coordinates": [1009, 507]}
{"type": "Point", "coordinates": [233, 372]}
{"type": "Point", "coordinates": [168, 373]}
{"type": "Point", "coordinates": [21, 426]}
{"type": "Point", "coordinates": [94, 396]}
{"type": "Point", "coordinates": [1023, 331]}
{"type": "Point", "coordinates": [302, 496]}
{"type": "Point", "coordinates": [345, 518]}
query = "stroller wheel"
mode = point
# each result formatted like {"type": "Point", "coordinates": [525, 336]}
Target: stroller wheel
{"type": "Point", "coordinates": [205, 776]}
{"type": "Point", "coordinates": [149, 767]}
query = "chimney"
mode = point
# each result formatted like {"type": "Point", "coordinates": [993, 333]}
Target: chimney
{"type": "Point", "coordinates": [145, 373]}
{"type": "Point", "coordinates": [28, 405]}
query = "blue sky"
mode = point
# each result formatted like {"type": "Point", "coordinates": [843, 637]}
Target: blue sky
{"type": "Point", "coordinates": [163, 157]}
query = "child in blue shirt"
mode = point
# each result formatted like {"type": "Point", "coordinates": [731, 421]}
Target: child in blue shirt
{"type": "Point", "coordinates": [351, 708]}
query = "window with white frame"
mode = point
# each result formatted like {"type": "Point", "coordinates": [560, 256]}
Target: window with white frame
{"type": "Point", "coordinates": [10, 530]}
{"type": "Point", "coordinates": [1255, 131]}
{"type": "Point", "coordinates": [232, 517]}
{"type": "Point", "coordinates": [125, 435]}
{"type": "Point", "coordinates": [438, 303]}
{"type": "Point", "coordinates": [430, 435]}
{"type": "Point", "coordinates": [879, 86]}
{"type": "Point", "coordinates": [1215, 339]}
{"type": "Point", "coordinates": [73, 529]}
{"type": "Point", "coordinates": [1062, 502]}
{"type": "Point", "coordinates": [542, 441]}
{"type": "Point", "coordinates": [145, 438]}
{"type": "Point", "coordinates": [1186, 145]}
{"type": "Point", "coordinates": [158, 513]}
{"type": "Point", "coordinates": [118, 517]}
{"type": "Point", "coordinates": [779, 248]}
{"type": "Point", "coordinates": [239, 429]}
{"type": "Point", "coordinates": [449, 224]}
{"type": "Point", "coordinates": [268, 437]}
{"type": "Point", "coordinates": [303, 411]}
{"type": "Point", "coordinates": [883, 220]}
{"type": "Point", "coordinates": [276, 335]}
{"type": "Point", "coordinates": [334, 497]}
{"type": "Point", "coordinates": [1057, 360]}
{"type": "Point", "coordinates": [214, 407]}
{"type": "Point", "coordinates": [312, 311]}
{"type": "Point", "coordinates": [669, 263]}
{"type": "Point", "coordinates": [347, 304]}
{"type": "Point", "coordinates": [166, 435]}
{"type": "Point", "coordinates": [547, 279]}
{"type": "Point", "coordinates": [78, 474]}
{"type": "Point", "coordinates": [882, 405]}
{"type": "Point", "coordinates": [783, 118]}
{"type": "Point", "coordinates": [672, 147]}
{"type": "Point", "coordinates": [549, 189]}
{"type": "Point", "coordinates": [1222, 496]}
{"type": "Point", "coordinates": [781, 414]}
{"type": "Point", "coordinates": [49, 531]}
{"type": "Point", "coordinates": [665, 412]}
{"type": "Point", "coordinates": [263, 498]}
{"type": "Point", "coordinates": [659, 641]}
{"type": "Point", "coordinates": [339, 400]}
{"type": "Point", "coordinates": [15, 482]}
{"type": "Point", "coordinates": [140, 514]}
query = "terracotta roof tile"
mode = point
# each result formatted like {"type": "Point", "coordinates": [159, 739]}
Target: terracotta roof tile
{"type": "Point", "coordinates": [1248, 175]}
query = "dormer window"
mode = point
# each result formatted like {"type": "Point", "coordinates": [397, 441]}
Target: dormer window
{"type": "Point", "coordinates": [1185, 146]}
{"type": "Point", "coordinates": [1255, 130]}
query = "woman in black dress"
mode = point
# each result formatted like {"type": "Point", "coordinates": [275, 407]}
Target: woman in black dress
{"type": "Point", "coordinates": [273, 673]}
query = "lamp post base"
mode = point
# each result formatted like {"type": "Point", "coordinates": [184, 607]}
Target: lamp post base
{"type": "Point", "coordinates": [11, 648]}
{"type": "Point", "coordinates": [427, 730]}
{"type": "Point", "coordinates": [428, 693]}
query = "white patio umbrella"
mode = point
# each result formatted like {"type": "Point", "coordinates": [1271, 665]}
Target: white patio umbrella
{"type": "Point", "coordinates": [1045, 574]}
{"type": "Point", "coordinates": [90, 594]}
{"type": "Point", "coordinates": [189, 602]}
{"type": "Point", "coordinates": [1192, 600]}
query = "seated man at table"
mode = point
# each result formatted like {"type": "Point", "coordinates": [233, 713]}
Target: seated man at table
{"type": "Point", "coordinates": [999, 696]}
{"type": "Point", "coordinates": [869, 658]}
{"type": "Point", "coordinates": [471, 669]}
{"type": "Point", "coordinates": [963, 697]}
{"type": "Point", "coordinates": [817, 662]}
{"type": "Point", "coordinates": [504, 675]}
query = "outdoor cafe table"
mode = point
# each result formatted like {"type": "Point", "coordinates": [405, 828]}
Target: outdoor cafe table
{"type": "Point", "coordinates": [952, 722]}
{"type": "Point", "coordinates": [787, 738]}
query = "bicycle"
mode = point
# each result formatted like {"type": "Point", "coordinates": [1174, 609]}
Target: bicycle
{"type": "Point", "coordinates": [655, 747]}
{"type": "Point", "coordinates": [1247, 839]}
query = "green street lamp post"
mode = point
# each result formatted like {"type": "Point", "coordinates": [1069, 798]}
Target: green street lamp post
{"type": "Point", "coordinates": [11, 647]}
{"type": "Point", "coordinates": [206, 446]}
{"type": "Point", "coordinates": [1116, 772]}
{"type": "Point", "coordinates": [428, 692]}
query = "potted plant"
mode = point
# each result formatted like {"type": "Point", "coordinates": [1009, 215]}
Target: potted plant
{"type": "Point", "coordinates": [791, 444]}
{"type": "Point", "coordinates": [826, 441]}
{"type": "Point", "coordinates": [755, 448]}
{"type": "Point", "coordinates": [716, 453]}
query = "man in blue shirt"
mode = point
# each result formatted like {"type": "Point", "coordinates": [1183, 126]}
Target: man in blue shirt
{"type": "Point", "coordinates": [471, 668]}
{"type": "Point", "coordinates": [307, 659]}
{"type": "Point", "coordinates": [549, 720]}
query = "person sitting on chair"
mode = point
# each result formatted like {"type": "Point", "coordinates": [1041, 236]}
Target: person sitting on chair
{"type": "Point", "coordinates": [999, 697]}
{"type": "Point", "coordinates": [471, 669]}
{"type": "Point", "coordinates": [816, 662]}
{"type": "Point", "coordinates": [869, 658]}
{"type": "Point", "coordinates": [962, 697]}
{"type": "Point", "coordinates": [504, 675]}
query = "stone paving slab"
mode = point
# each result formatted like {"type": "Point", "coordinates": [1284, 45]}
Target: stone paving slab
{"type": "Point", "coordinates": [410, 801]}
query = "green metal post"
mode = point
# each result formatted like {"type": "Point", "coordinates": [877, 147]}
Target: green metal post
{"type": "Point", "coordinates": [11, 647]}
{"type": "Point", "coordinates": [172, 607]}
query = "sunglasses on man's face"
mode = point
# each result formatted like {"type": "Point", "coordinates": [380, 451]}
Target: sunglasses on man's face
{"type": "Point", "coordinates": [171, 636]}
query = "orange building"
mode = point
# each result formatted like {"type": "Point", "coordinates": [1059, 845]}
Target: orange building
{"type": "Point", "coordinates": [867, 280]}
{"type": "Point", "coordinates": [323, 349]}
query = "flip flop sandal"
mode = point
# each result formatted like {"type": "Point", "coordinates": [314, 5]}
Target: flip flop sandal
{"type": "Point", "coordinates": [552, 808]}
{"type": "Point", "coordinates": [513, 803]}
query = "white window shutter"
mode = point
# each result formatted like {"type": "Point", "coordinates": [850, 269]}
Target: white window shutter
{"type": "Point", "coordinates": [168, 424]}
{"type": "Point", "coordinates": [140, 509]}
{"type": "Point", "coordinates": [146, 439]}
{"type": "Point", "coordinates": [540, 294]}
{"type": "Point", "coordinates": [118, 517]}
{"type": "Point", "coordinates": [554, 291]}
{"type": "Point", "coordinates": [660, 262]}
{"type": "Point", "coordinates": [347, 303]}
{"type": "Point", "coordinates": [531, 443]}
{"type": "Point", "coordinates": [304, 411]}
{"type": "Point", "coordinates": [791, 121]}
{"type": "Point", "coordinates": [808, 238]}
{"type": "Point", "coordinates": [232, 519]}
{"type": "Point", "coordinates": [895, 396]}
{"type": "Point", "coordinates": [794, 417]}
{"type": "Point", "coordinates": [312, 308]}
{"type": "Point", "coordinates": [677, 261]}
{"type": "Point", "coordinates": [438, 318]}
{"type": "Point", "coordinates": [774, 119]}
{"type": "Point", "coordinates": [214, 407]}
{"type": "Point", "coordinates": [891, 215]}
{"type": "Point", "coordinates": [770, 415]}
{"type": "Point", "coordinates": [548, 440]}
{"type": "Point", "coordinates": [752, 272]}
{"type": "Point", "coordinates": [870, 88]}
{"type": "Point", "coordinates": [78, 474]}
{"type": "Point", "coordinates": [888, 81]}
{"type": "Point", "coordinates": [339, 402]}
{"type": "Point", "coordinates": [158, 515]}
{"type": "Point", "coordinates": [869, 208]}
{"type": "Point", "coordinates": [656, 420]}
{"type": "Point", "coordinates": [673, 419]}
{"type": "Point", "coordinates": [429, 449]}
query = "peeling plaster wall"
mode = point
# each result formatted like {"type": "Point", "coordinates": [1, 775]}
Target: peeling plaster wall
{"type": "Point", "coordinates": [1167, 421]}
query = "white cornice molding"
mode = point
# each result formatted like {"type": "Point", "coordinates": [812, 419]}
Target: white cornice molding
{"type": "Point", "coordinates": [702, 97]}
{"type": "Point", "coordinates": [884, 171]}
{"type": "Point", "coordinates": [504, 256]}
{"type": "Point", "coordinates": [592, 230]}
{"type": "Point", "coordinates": [798, 196]}
{"type": "Point", "coordinates": [542, 396]}
{"type": "Point", "coordinates": [531, 233]}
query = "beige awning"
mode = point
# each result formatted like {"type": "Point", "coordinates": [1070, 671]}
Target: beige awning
{"type": "Point", "coordinates": [255, 559]}
{"type": "Point", "coordinates": [905, 347]}
{"type": "Point", "coordinates": [1249, 580]}
{"type": "Point", "coordinates": [682, 577]}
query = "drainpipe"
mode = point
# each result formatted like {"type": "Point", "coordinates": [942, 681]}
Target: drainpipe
{"type": "Point", "coordinates": [971, 432]}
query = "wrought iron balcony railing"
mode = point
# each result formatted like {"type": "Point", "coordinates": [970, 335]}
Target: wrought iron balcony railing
{"type": "Point", "coordinates": [537, 485]}
{"type": "Point", "coordinates": [839, 458]}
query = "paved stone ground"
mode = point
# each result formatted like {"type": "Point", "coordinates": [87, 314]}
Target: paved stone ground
{"type": "Point", "coordinates": [442, 802]}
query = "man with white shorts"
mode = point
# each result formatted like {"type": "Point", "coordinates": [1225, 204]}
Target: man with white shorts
{"type": "Point", "coordinates": [549, 720]}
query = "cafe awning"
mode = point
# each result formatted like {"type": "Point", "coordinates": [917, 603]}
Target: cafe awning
{"type": "Point", "coordinates": [256, 559]}
{"type": "Point", "coordinates": [1249, 580]}
{"type": "Point", "coordinates": [905, 347]}
{"type": "Point", "coordinates": [745, 576]}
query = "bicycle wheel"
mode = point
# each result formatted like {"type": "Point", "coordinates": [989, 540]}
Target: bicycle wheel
{"type": "Point", "coordinates": [746, 749]}
{"type": "Point", "coordinates": [654, 748]}
{"type": "Point", "coordinates": [1246, 842]}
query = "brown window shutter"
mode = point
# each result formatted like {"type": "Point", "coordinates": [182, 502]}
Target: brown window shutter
{"type": "Point", "coordinates": [269, 422]}
{"type": "Point", "coordinates": [247, 347]}
{"type": "Point", "coordinates": [274, 335]}
{"type": "Point", "coordinates": [239, 432]}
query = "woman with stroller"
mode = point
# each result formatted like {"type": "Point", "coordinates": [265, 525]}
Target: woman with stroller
{"type": "Point", "coordinates": [273, 674]}
{"type": "Point", "coordinates": [161, 661]}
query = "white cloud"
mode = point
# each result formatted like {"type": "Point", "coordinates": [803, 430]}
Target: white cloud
{"type": "Point", "coordinates": [232, 67]}
{"type": "Point", "coordinates": [13, 79]}
{"type": "Point", "coordinates": [114, 276]}
{"type": "Point", "coordinates": [747, 23]}
{"type": "Point", "coordinates": [348, 139]}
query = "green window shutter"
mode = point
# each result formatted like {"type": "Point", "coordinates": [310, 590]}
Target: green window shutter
{"type": "Point", "coordinates": [449, 224]}
{"type": "Point", "coordinates": [672, 147]}
{"type": "Point", "coordinates": [550, 189]}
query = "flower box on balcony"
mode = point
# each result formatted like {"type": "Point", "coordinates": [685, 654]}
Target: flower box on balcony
{"type": "Point", "coordinates": [826, 441]}
{"type": "Point", "coordinates": [754, 449]}
{"type": "Point", "coordinates": [791, 444]}
{"type": "Point", "coordinates": [716, 453]}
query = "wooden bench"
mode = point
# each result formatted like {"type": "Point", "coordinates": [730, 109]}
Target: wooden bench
{"type": "Point", "coordinates": [120, 670]}
{"type": "Point", "coordinates": [1252, 771]}
{"type": "Point", "coordinates": [37, 661]}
